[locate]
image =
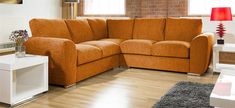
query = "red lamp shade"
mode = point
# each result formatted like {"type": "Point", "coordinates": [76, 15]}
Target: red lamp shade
{"type": "Point", "coordinates": [221, 14]}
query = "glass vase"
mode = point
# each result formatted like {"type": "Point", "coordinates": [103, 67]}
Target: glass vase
{"type": "Point", "coordinates": [20, 51]}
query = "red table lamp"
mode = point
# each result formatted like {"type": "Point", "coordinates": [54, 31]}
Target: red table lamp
{"type": "Point", "coordinates": [221, 14]}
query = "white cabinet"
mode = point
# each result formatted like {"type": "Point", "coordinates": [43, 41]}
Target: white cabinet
{"type": "Point", "coordinates": [22, 78]}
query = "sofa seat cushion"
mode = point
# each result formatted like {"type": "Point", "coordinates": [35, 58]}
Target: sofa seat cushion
{"type": "Point", "coordinates": [107, 48]}
{"type": "Point", "coordinates": [137, 46]}
{"type": "Point", "coordinates": [87, 53]}
{"type": "Point", "coordinates": [171, 49]}
{"type": "Point", "coordinates": [116, 41]}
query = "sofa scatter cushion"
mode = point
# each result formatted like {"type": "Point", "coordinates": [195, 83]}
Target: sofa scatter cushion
{"type": "Point", "coordinates": [49, 28]}
{"type": "Point", "coordinates": [151, 29]}
{"type": "Point", "coordinates": [80, 30]}
{"type": "Point", "coordinates": [182, 29]}
{"type": "Point", "coordinates": [120, 28]}
{"type": "Point", "coordinates": [99, 28]}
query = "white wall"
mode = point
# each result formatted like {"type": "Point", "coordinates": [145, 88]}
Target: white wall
{"type": "Point", "coordinates": [17, 16]}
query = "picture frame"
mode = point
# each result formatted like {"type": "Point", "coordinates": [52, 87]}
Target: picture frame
{"type": "Point", "coordinates": [12, 1]}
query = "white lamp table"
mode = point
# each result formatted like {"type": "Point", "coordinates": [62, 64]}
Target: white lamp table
{"type": "Point", "coordinates": [217, 66]}
{"type": "Point", "coordinates": [22, 78]}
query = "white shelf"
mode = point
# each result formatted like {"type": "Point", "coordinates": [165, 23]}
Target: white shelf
{"type": "Point", "coordinates": [23, 92]}
{"type": "Point", "coordinates": [220, 66]}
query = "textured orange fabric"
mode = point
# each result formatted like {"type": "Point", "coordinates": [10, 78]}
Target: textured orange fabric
{"type": "Point", "coordinates": [182, 29]}
{"type": "Point", "coordinates": [80, 30]}
{"type": "Point", "coordinates": [107, 48]}
{"type": "Point", "coordinates": [200, 53]}
{"type": "Point", "coordinates": [150, 29]}
{"type": "Point", "coordinates": [121, 29]}
{"type": "Point", "coordinates": [171, 49]}
{"type": "Point", "coordinates": [99, 28]}
{"type": "Point", "coordinates": [93, 68]}
{"type": "Point", "coordinates": [49, 28]}
{"type": "Point", "coordinates": [62, 58]}
{"type": "Point", "coordinates": [87, 53]}
{"type": "Point", "coordinates": [159, 63]}
{"type": "Point", "coordinates": [69, 63]}
{"type": "Point", "coordinates": [122, 61]}
{"type": "Point", "coordinates": [116, 41]}
{"type": "Point", "coordinates": [137, 46]}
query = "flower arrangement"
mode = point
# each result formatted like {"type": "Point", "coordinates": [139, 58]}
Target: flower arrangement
{"type": "Point", "coordinates": [19, 36]}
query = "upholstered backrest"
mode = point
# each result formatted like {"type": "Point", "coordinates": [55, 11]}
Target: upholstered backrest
{"type": "Point", "coordinates": [99, 28]}
{"type": "Point", "coordinates": [182, 29]}
{"type": "Point", "coordinates": [80, 30]}
{"type": "Point", "coordinates": [151, 29]}
{"type": "Point", "coordinates": [49, 28]}
{"type": "Point", "coordinates": [120, 28]}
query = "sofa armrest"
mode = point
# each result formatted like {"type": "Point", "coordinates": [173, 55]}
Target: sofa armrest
{"type": "Point", "coordinates": [200, 53]}
{"type": "Point", "coordinates": [62, 58]}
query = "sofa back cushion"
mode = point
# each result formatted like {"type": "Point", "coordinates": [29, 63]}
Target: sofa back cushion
{"type": "Point", "coordinates": [120, 28]}
{"type": "Point", "coordinates": [99, 28]}
{"type": "Point", "coordinates": [182, 29]}
{"type": "Point", "coordinates": [80, 30]}
{"type": "Point", "coordinates": [49, 28]}
{"type": "Point", "coordinates": [151, 29]}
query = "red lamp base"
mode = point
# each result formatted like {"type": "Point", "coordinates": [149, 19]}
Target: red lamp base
{"type": "Point", "coordinates": [220, 31]}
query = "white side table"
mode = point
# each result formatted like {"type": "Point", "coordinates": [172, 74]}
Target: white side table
{"type": "Point", "coordinates": [22, 78]}
{"type": "Point", "coordinates": [223, 93]}
{"type": "Point", "coordinates": [225, 48]}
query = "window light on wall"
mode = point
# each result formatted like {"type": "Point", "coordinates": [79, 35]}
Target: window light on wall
{"type": "Point", "coordinates": [203, 7]}
{"type": "Point", "coordinates": [104, 7]}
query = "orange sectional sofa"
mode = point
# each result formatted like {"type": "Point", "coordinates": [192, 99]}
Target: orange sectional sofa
{"type": "Point", "coordinates": [79, 49]}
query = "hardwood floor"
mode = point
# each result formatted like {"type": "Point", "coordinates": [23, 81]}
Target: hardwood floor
{"type": "Point", "coordinates": [118, 88]}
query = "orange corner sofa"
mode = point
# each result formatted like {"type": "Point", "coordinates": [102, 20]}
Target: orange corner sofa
{"type": "Point", "coordinates": [79, 49]}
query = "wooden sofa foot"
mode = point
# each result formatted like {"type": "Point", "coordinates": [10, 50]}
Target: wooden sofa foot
{"type": "Point", "coordinates": [70, 85]}
{"type": "Point", "coordinates": [194, 74]}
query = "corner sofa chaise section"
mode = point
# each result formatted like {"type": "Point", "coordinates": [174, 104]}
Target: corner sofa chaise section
{"type": "Point", "coordinates": [79, 49]}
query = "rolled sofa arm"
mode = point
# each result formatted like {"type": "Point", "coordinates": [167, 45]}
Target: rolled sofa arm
{"type": "Point", "coordinates": [200, 53]}
{"type": "Point", "coordinates": [62, 58]}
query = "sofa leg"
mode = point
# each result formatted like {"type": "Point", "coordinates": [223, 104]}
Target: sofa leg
{"type": "Point", "coordinates": [69, 86]}
{"type": "Point", "coordinates": [194, 74]}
